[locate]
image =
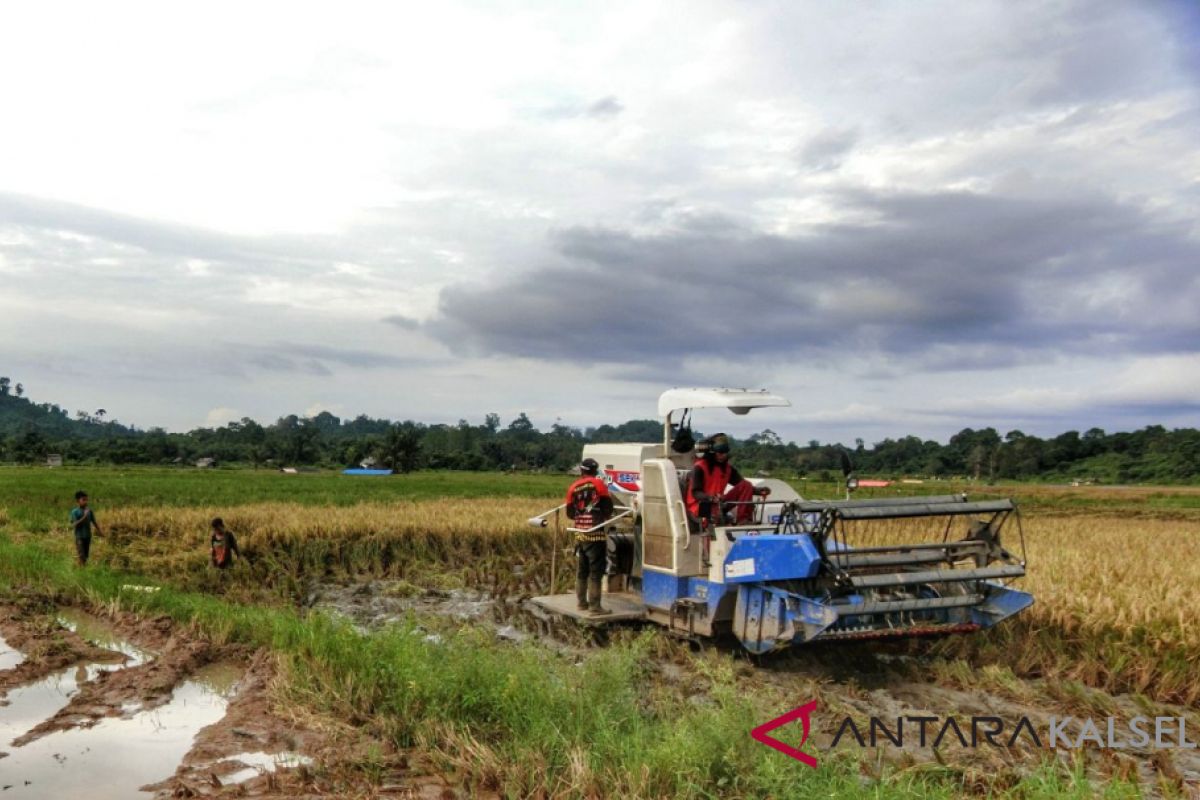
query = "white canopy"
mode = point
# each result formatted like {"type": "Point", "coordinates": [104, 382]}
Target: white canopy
{"type": "Point", "coordinates": [739, 401]}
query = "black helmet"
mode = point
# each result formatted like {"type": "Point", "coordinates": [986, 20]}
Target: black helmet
{"type": "Point", "coordinates": [718, 443]}
{"type": "Point", "coordinates": [589, 466]}
{"type": "Point", "coordinates": [683, 442]}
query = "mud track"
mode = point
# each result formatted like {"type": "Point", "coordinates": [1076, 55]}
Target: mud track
{"type": "Point", "coordinates": [44, 646]}
{"type": "Point", "coordinates": [119, 706]}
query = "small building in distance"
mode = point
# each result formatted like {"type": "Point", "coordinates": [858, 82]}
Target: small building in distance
{"type": "Point", "coordinates": [54, 460]}
{"type": "Point", "coordinates": [206, 463]}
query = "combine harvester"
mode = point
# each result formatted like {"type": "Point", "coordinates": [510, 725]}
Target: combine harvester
{"type": "Point", "coordinates": [790, 576]}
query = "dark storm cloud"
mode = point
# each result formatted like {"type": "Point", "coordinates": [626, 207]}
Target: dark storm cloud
{"type": "Point", "coordinates": [938, 280]}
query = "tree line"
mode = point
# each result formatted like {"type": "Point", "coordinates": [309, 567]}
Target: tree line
{"type": "Point", "coordinates": [30, 431]}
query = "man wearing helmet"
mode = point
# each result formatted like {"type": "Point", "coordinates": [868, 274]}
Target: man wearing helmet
{"type": "Point", "coordinates": [589, 504]}
{"type": "Point", "coordinates": [707, 499]}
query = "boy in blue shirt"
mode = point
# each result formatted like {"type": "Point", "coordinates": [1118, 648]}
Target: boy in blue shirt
{"type": "Point", "coordinates": [83, 521]}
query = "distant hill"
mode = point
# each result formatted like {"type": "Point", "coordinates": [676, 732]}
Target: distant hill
{"type": "Point", "coordinates": [19, 415]}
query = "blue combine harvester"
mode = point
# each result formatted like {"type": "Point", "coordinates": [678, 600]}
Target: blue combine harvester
{"type": "Point", "coordinates": [792, 574]}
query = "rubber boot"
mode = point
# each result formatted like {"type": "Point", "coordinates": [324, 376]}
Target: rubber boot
{"type": "Point", "coordinates": [581, 593]}
{"type": "Point", "coordinates": [593, 588]}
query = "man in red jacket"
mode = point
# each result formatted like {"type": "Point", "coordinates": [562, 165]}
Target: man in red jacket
{"type": "Point", "coordinates": [589, 505]}
{"type": "Point", "coordinates": [707, 500]}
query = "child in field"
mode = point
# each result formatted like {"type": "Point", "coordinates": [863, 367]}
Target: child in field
{"type": "Point", "coordinates": [83, 522]}
{"type": "Point", "coordinates": [224, 545]}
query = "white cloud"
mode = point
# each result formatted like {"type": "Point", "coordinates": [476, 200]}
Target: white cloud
{"type": "Point", "coordinates": [1161, 380]}
{"type": "Point", "coordinates": [316, 408]}
{"type": "Point", "coordinates": [220, 417]}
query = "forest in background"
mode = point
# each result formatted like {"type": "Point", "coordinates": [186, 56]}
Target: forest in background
{"type": "Point", "coordinates": [30, 431]}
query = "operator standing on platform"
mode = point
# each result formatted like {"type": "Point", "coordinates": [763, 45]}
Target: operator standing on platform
{"type": "Point", "coordinates": [589, 505]}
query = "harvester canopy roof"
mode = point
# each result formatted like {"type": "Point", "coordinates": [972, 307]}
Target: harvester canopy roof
{"type": "Point", "coordinates": [739, 401]}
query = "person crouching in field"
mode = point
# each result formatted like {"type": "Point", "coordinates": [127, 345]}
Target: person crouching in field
{"type": "Point", "coordinates": [223, 544]}
{"type": "Point", "coordinates": [83, 522]}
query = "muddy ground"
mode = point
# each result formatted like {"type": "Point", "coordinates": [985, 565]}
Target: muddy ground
{"type": "Point", "coordinates": [117, 706]}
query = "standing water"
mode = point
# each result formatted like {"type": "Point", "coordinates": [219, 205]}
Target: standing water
{"type": "Point", "coordinates": [117, 756]}
{"type": "Point", "coordinates": [9, 658]}
{"type": "Point", "coordinates": [102, 634]}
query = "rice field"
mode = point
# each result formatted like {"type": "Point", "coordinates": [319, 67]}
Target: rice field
{"type": "Point", "coordinates": [1115, 599]}
{"type": "Point", "coordinates": [285, 545]}
{"type": "Point", "coordinates": [1116, 577]}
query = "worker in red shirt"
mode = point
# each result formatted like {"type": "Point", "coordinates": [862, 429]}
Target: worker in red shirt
{"type": "Point", "coordinates": [589, 505]}
{"type": "Point", "coordinates": [707, 499]}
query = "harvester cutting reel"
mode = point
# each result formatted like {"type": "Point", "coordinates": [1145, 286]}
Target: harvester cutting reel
{"type": "Point", "coordinates": [885, 589]}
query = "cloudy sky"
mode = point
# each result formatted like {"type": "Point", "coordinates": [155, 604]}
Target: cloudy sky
{"type": "Point", "coordinates": [908, 217]}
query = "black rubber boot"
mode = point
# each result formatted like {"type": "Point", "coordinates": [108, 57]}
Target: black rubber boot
{"type": "Point", "coordinates": [581, 593]}
{"type": "Point", "coordinates": [593, 588]}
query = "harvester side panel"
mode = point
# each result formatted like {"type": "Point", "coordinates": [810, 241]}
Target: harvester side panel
{"type": "Point", "coordinates": [668, 543]}
{"type": "Point", "coordinates": [661, 590]}
{"type": "Point", "coordinates": [658, 536]}
{"type": "Point", "coordinates": [771, 558]}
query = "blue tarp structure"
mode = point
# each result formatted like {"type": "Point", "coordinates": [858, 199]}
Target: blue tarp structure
{"type": "Point", "coordinates": [366, 472]}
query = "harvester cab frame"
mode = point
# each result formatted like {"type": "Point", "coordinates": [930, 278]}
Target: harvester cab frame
{"type": "Point", "coordinates": [791, 575]}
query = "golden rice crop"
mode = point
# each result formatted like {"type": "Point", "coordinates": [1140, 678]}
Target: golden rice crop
{"type": "Point", "coordinates": [1114, 603]}
{"type": "Point", "coordinates": [286, 544]}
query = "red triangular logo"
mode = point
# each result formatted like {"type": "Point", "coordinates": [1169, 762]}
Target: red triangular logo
{"type": "Point", "coordinates": [760, 734]}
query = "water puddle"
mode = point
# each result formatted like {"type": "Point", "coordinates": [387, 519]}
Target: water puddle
{"type": "Point", "coordinates": [9, 658]}
{"type": "Point", "coordinates": [118, 755]}
{"type": "Point", "coordinates": [221, 677]}
{"type": "Point", "coordinates": [27, 706]}
{"type": "Point", "coordinates": [102, 634]}
{"type": "Point", "coordinates": [259, 764]}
